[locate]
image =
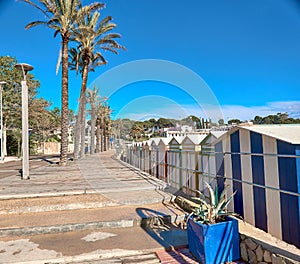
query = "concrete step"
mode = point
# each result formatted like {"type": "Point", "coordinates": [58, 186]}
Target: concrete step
{"type": "Point", "coordinates": [106, 217]}
{"type": "Point", "coordinates": [44, 202]}
{"type": "Point", "coordinates": [149, 258]}
{"type": "Point", "coordinates": [112, 245]}
{"type": "Point", "coordinates": [54, 203]}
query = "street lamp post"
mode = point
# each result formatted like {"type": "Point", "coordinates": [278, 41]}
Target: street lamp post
{"type": "Point", "coordinates": [1, 122]}
{"type": "Point", "coordinates": [25, 143]}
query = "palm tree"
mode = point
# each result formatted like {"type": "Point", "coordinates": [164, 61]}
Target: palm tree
{"type": "Point", "coordinates": [91, 35]}
{"type": "Point", "coordinates": [103, 117]}
{"type": "Point", "coordinates": [62, 17]}
{"type": "Point", "coordinates": [95, 101]}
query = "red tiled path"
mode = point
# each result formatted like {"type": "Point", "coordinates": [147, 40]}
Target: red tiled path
{"type": "Point", "coordinates": [180, 256]}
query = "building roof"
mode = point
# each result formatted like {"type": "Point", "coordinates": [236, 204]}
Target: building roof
{"type": "Point", "coordinates": [175, 141]}
{"type": "Point", "coordinates": [284, 132]}
{"type": "Point", "coordinates": [218, 133]}
{"type": "Point", "coordinates": [155, 141]}
{"type": "Point", "coordinates": [288, 133]}
{"type": "Point", "coordinates": [165, 141]}
{"type": "Point", "coordinates": [196, 139]}
{"type": "Point", "coordinates": [213, 136]}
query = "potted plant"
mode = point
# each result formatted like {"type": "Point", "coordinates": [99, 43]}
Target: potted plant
{"type": "Point", "coordinates": [213, 235]}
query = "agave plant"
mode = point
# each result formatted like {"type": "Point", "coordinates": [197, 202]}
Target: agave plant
{"type": "Point", "coordinates": [212, 209]}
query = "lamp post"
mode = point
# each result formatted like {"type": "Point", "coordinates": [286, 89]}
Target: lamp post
{"type": "Point", "coordinates": [1, 122]}
{"type": "Point", "coordinates": [25, 143]}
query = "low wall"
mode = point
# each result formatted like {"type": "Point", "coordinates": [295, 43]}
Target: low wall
{"type": "Point", "coordinates": [257, 246]}
{"type": "Point", "coordinates": [253, 251]}
{"type": "Point", "coordinates": [49, 148]}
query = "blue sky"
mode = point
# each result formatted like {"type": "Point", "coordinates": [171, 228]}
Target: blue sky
{"type": "Point", "coordinates": [247, 52]}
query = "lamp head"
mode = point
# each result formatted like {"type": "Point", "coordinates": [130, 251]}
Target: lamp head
{"type": "Point", "coordinates": [24, 67]}
{"type": "Point", "coordinates": [2, 82]}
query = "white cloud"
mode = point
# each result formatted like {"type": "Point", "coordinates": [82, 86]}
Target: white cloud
{"type": "Point", "coordinates": [229, 111]}
{"type": "Point", "coordinates": [271, 108]}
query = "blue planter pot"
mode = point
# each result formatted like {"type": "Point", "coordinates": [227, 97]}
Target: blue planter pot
{"type": "Point", "coordinates": [216, 243]}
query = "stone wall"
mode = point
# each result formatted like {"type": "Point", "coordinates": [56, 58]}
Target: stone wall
{"type": "Point", "coordinates": [253, 252]}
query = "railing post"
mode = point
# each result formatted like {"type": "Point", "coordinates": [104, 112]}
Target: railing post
{"type": "Point", "coordinates": [166, 166]}
{"type": "Point", "coordinates": [180, 168]}
{"type": "Point", "coordinates": [157, 162]}
{"type": "Point", "coordinates": [150, 163]}
{"type": "Point", "coordinates": [196, 171]}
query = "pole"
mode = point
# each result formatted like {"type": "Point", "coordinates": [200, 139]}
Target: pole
{"type": "Point", "coordinates": [24, 67]}
{"type": "Point", "coordinates": [25, 143]}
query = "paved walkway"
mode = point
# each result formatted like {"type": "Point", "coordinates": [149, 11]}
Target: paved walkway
{"type": "Point", "coordinates": [96, 210]}
{"type": "Point", "coordinates": [89, 175]}
{"type": "Point", "coordinates": [91, 210]}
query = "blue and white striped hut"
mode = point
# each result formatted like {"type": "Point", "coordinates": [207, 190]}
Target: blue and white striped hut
{"type": "Point", "coordinates": [262, 162]}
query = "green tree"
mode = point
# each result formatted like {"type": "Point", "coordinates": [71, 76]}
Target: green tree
{"type": "Point", "coordinates": [164, 122]}
{"type": "Point", "coordinates": [221, 122]}
{"type": "Point", "coordinates": [279, 118]}
{"type": "Point", "coordinates": [42, 122]}
{"type": "Point", "coordinates": [137, 130]}
{"type": "Point", "coordinates": [123, 127]}
{"type": "Point", "coordinates": [234, 121]}
{"type": "Point", "coordinates": [62, 17]}
{"type": "Point", "coordinates": [12, 104]}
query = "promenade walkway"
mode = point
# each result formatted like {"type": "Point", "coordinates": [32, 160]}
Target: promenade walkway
{"type": "Point", "coordinates": [96, 210]}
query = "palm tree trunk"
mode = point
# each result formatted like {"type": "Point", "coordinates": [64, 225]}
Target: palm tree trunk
{"type": "Point", "coordinates": [77, 135]}
{"type": "Point", "coordinates": [98, 137]}
{"type": "Point", "coordinates": [93, 125]}
{"type": "Point", "coordinates": [104, 134]}
{"type": "Point", "coordinates": [65, 103]}
{"type": "Point", "coordinates": [83, 109]}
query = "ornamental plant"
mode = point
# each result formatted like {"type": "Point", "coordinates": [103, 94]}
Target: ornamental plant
{"type": "Point", "coordinates": [213, 208]}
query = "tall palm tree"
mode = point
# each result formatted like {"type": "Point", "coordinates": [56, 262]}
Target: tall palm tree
{"type": "Point", "coordinates": [103, 115]}
{"type": "Point", "coordinates": [95, 101]}
{"type": "Point", "coordinates": [62, 17]}
{"type": "Point", "coordinates": [92, 35]}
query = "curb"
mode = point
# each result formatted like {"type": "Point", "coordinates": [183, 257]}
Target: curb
{"type": "Point", "coordinates": [64, 228]}
{"type": "Point", "coordinates": [91, 257]}
{"type": "Point", "coordinates": [61, 228]}
{"type": "Point", "coordinates": [59, 207]}
{"type": "Point", "coordinates": [47, 194]}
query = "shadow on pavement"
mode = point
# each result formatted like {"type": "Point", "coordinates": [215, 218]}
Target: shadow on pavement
{"type": "Point", "coordinates": [160, 227]}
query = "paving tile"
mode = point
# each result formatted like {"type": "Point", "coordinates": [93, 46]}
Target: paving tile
{"type": "Point", "coordinates": [181, 255]}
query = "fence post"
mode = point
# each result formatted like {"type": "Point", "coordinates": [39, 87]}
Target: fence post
{"type": "Point", "coordinates": [196, 171]}
{"type": "Point", "coordinates": [180, 168]}
{"type": "Point", "coordinates": [166, 166]}
{"type": "Point", "coordinates": [157, 162]}
{"type": "Point", "coordinates": [140, 157]}
{"type": "Point", "coordinates": [150, 168]}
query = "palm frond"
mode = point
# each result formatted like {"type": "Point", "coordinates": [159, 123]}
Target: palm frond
{"type": "Point", "coordinates": [58, 61]}
{"type": "Point", "coordinates": [37, 7]}
{"type": "Point", "coordinates": [35, 23]}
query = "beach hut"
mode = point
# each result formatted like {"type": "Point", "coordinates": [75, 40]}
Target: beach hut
{"type": "Point", "coordinates": [146, 156]}
{"type": "Point", "coordinates": [154, 157]}
{"type": "Point", "coordinates": [191, 146]}
{"type": "Point", "coordinates": [163, 146]}
{"type": "Point", "coordinates": [207, 159]}
{"type": "Point", "coordinates": [262, 163]}
{"type": "Point", "coordinates": [175, 163]}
